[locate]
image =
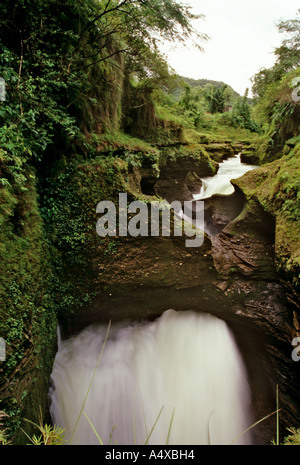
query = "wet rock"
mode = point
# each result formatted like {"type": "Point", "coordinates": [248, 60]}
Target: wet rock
{"type": "Point", "coordinates": [219, 210]}
{"type": "Point", "coordinates": [232, 275]}
{"type": "Point", "coordinates": [193, 182]}
{"type": "Point", "coordinates": [243, 254]}
{"type": "Point", "coordinates": [180, 170]}
{"type": "Point", "coordinates": [249, 155]}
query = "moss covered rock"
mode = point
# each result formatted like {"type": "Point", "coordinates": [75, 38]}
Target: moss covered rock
{"type": "Point", "coordinates": [27, 318]}
{"type": "Point", "coordinates": [276, 188]}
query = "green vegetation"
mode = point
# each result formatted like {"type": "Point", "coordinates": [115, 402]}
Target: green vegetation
{"type": "Point", "coordinates": [76, 74]}
{"type": "Point", "coordinates": [90, 105]}
{"type": "Point", "coordinates": [211, 108]}
{"type": "Point", "coordinates": [293, 438]}
{"type": "Point", "coordinates": [27, 318]}
{"type": "Point", "coordinates": [276, 186]}
{"type": "Point", "coordinates": [277, 106]}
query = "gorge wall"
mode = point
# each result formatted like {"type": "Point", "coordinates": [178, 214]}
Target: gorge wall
{"type": "Point", "coordinates": [233, 275]}
{"type": "Point", "coordinates": [79, 124]}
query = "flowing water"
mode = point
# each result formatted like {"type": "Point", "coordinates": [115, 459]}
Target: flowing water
{"type": "Point", "coordinates": [229, 169]}
{"type": "Point", "coordinates": [177, 380]}
{"type": "Point", "coordinates": [220, 183]}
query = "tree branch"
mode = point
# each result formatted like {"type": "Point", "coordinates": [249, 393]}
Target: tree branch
{"type": "Point", "coordinates": [104, 12]}
{"type": "Point", "coordinates": [100, 60]}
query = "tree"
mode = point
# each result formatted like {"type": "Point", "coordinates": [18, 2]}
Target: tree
{"type": "Point", "coordinates": [134, 28]}
{"type": "Point", "coordinates": [215, 98]}
{"type": "Point", "coordinates": [63, 64]}
{"type": "Point", "coordinates": [242, 114]}
{"type": "Point", "coordinates": [287, 57]}
{"type": "Point", "coordinates": [289, 52]}
{"type": "Point", "coordinates": [193, 105]}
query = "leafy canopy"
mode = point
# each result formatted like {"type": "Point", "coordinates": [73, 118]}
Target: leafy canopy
{"type": "Point", "coordinates": [53, 55]}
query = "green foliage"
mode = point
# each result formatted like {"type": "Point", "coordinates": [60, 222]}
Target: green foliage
{"type": "Point", "coordinates": [279, 115]}
{"type": "Point", "coordinates": [276, 186]}
{"type": "Point", "coordinates": [287, 58]}
{"type": "Point", "coordinates": [71, 193]}
{"type": "Point", "coordinates": [64, 65]}
{"type": "Point", "coordinates": [277, 110]}
{"type": "Point", "coordinates": [35, 112]}
{"type": "Point", "coordinates": [215, 108]}
{"type": "Point", "coordinates": [27, 320]}
{"type": "Point", "coordinates": [293, 438]}
{"type": "Point", "coordinates": [78, 73]}
{"type": "Point", "coordinates": [192, 105]}
{"type": "Point", "coordinates": [4, 439]}
{"type": "Point", "coordinates": [241, 115]}
{"type": "Point", "coordinates": [215, 99]}
{"type": "Point", "coordinates": [49, 435]}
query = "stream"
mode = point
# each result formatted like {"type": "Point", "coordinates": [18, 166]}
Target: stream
{"type": "Point", "coordinates": [179, 379]}
{"type": "Point", "coordinates": [219, 184]}
{"type": "Point", "coordinates": [229, 169]}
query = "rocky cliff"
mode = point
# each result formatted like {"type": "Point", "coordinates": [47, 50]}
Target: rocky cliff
{"type": "Point", "coordinates": [233, 275]}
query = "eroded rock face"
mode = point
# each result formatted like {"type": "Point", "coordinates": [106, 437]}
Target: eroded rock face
{"type": "Point", "coordinates": [219, 210]}
{"type": "Point", "coordinates": [232, 276]}
{"type": "Point", "coordinates": [243, 254]}
{"type": "Point", "coordinates": [260, 305]}
{"type": "Point", "coordinates": [180, 170]}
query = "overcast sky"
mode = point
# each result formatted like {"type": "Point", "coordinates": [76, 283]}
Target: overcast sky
{"type": "Point", "coordinates": [243, 36]}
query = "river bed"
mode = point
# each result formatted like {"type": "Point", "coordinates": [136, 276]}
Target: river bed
{"type": "Point", "coordinates": [173, 362]}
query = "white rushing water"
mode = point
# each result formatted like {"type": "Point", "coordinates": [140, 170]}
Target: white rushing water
{"type": "Point", "coordinates": [184, 365]}
{"type": "Point", "coordinates": [220, 183]}
{"type": "Point", "coordinates": [229, 169]}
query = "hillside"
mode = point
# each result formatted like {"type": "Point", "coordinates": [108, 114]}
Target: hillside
{"type": "Point", "coordinates": [194, 83]}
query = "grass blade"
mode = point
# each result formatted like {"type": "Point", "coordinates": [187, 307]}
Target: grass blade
{"type": "Point", "coordinates": [277, 415]}
{"type": "Point", "coordinates": [170, 426]}
{"type": "Point", "coordinates": [208, 429]}
{"type": "Point", "coordinates": [152, 429]}
{"type": "Point", "coordinates": [93, 428]}
{"type": "Point", "coordinates": [90, 385]}
{"type": "Point", "coordinates": [254, 424]}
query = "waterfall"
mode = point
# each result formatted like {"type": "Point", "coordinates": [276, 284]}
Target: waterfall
{"type": "Point", "coordinates": [178, 380]}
